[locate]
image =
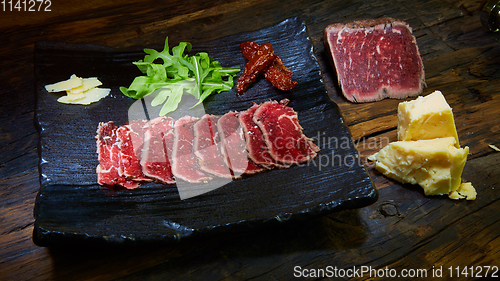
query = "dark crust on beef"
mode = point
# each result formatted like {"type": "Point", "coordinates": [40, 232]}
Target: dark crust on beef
{"type": "Point", "coordinates": [366, 24]}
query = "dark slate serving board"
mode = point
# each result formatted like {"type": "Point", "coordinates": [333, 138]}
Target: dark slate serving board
{"type": "Point", "coordinates": [72, 207]}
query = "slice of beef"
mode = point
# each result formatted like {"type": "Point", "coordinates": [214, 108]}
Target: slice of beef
{"type": "Point", "coordinates": [131, 143]}
{"type": "Point", "coordinates": [138, 128]}
{"type": "Point", "coordinates": [207, 147]}
{"type": "Point", "coordinates": [234, 146]}
{"type": "Point", "coordinates": [108, 151]}
{"type": "Point", "coordinates": [254, 168]}
{"type": "Point", "coordinates": [185, 163]}
{"type": "Point", "coordinates": [375, 59]}
{"type": "Point", "coordinates": [256, 146]}
{"type": "Point", "coordinates": [157, 150]}
{"type": "Point", "coordinates": [283, 134]}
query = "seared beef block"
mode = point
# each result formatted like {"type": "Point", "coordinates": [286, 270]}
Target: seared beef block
{"type": "Point", "coordinates": [375, 59]}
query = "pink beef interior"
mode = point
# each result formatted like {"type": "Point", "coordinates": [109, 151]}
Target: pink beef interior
{"type": "Point", "coordinates": [130, 166]}
{"type": "Point", "coordinates": [375, 59]}
{"type": "Point", "coordinates": [255, 143]}
{"type": "Point", "coordinates": [234, 150]}
{"type": "Point", "coordinates": [185, 163]}
{"type": "Point", "coordinates": [283, 134]}
{"type": "Point", "coordinates": [157, 150]}
{"type": "Point", "coordinates": [207, 147]}
{"type": "Point", "coordinates": [108, 149]}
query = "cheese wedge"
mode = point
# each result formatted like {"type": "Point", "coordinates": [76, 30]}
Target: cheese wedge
{"type": "Point", "coordinates": [436, 165]}
{"type": "Point", "coordinates": [426, 118]}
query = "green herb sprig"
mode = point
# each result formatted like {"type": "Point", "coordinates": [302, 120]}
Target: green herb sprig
{"type": "Point", "coordinates": [176, 74]}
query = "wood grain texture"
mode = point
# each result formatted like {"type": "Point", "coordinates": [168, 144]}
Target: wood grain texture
{"type": "Point", "coordinates": [404, 229]}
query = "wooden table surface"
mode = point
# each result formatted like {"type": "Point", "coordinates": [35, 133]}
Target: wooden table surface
{"type": "Point", "coordinates": [403, 231]}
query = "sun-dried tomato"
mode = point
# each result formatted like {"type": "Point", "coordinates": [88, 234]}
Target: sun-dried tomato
{"type": "Point", "coordinates": [248, 49]}
{"type": "Point", "coordinates": [261, 60]}
{"type": "Point", "coordinates": [280, 76]}
{"type": "Point", "coordinates": [277, 73]}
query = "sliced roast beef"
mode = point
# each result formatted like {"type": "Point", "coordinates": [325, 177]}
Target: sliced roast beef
{"type": "Point", "coordinates": [185, 163]}
{"type": "Point", "coordinates": [255, 143]}
{"type": "Point", "coordinates": [234, 146]}
{"type": "Point", "coordinates": [375, 59]}
{"type": "Point", "coordinates": [196, 149]}
{"type": "Point", "coordinates": [283, 134]}
{"type": "Point", "coordinates": [108, 150]}
{"type": "Point", "coordinates": [207, 147]}
{"type": "Point", "coordinates": [157, 150]}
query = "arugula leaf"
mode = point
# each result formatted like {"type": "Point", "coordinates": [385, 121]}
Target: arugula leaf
{"type": "Point", "coordinates": [175, 74]}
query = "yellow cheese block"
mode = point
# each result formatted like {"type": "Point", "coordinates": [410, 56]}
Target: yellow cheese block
{"type": "Point", "coordinates": [436, 165]}
{"type": "Point", "coordinates": [426, 118]}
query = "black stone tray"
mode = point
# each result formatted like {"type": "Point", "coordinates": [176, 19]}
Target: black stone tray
{"type": "Point", "coordinates": [72, 208]}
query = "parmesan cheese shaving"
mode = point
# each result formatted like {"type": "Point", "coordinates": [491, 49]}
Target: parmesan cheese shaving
{"type": "Point", "coordinates": [494, 147]}
{"type": "Point", "coordinates": [72, 82]}
{"type": "Point", "coordinates": [87, 84]}
{"type": "Point", "coordinates": [85, 98]}
{"type": "Point", "coordinates": [71, 98]}
{"type": "Point", "coordinates": [79, 90]}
